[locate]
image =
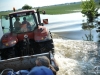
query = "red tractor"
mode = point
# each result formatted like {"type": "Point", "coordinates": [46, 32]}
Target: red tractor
{"type": "Point", "coordinates": [24, 36]}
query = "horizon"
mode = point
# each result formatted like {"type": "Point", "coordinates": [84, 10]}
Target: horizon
{"type": "Point", "coordinates": [37, 3]}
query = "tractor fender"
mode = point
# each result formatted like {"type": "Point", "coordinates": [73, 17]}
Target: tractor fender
{"type": "Point", "coordinates": [41, 34]}
{"type": "Point", "coordinates": [8, 40]}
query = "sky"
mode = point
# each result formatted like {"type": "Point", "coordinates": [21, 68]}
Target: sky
{"type": "Point", "coordinates": [9, 4]}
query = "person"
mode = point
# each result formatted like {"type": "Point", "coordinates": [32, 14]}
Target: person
{"type": "Point", "coordinates": [17, 24]}
{"type": "Point", "coordinates": [44, 61]}
{"type": "Point", "coordinates": [25, 21]}
{"type": "Point", "coordinates": [40, 70]}
{"type": "Point", "coordinates": [26, 26]}
{"type": "Point", "coordinates": [37, 70]}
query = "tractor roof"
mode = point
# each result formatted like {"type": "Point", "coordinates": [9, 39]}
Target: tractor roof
{"type": "Point", "coordinates": [23, 11]}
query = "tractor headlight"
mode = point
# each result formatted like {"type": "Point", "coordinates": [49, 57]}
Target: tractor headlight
{"type": "Point", "coordinates": [9, 43]}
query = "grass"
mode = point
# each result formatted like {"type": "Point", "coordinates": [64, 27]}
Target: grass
{"type": "Point", "coordinates": [4, 13]}
{"type": "Point", "coordinates": [61, 9]}
{"type": "Point", "coordinates": [55, 9]}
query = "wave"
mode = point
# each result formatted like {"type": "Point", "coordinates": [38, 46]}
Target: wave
{"type": "Point", "coordinates": [72, 56]}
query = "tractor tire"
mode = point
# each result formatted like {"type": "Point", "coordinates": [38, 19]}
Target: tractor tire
{"type": "Point", "coordinates": [47, 46]}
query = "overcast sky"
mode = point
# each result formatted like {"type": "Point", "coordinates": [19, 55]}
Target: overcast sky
{"type": "Point", "coordinates": [9, 4]}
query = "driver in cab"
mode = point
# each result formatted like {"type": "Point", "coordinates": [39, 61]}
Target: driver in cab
{"type": "Point", "coordinates": [25, 25]}
{"type": "Point", "coordinates": [17, 24]}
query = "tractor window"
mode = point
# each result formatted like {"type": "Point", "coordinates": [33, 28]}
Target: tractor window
{"type": "Point", "coordinates": [5, 24]}
{"type": "Point", "coordinates": [22, 24]}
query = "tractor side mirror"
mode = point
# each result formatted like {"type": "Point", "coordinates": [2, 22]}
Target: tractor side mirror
{"type": "Point", "coordinates": [43, 12]}
{"type": "Point", "coordinates": [3, 27]}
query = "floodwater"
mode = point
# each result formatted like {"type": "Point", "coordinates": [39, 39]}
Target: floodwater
{"type": "Point", "coordinates": [71, 52]}
{"type": "Point", "coordinates": [69, 26]}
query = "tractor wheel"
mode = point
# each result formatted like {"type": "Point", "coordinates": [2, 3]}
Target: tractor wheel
{"type": "Point", "coordinates": [11, 53]}
{"type": "Point", "coordinates": [47, 46]}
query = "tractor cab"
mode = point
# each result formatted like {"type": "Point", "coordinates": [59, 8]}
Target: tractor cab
{"type": "Point", "coordinates": [23, 22]}
{"type": "Point", "coordinates": [20, 22]}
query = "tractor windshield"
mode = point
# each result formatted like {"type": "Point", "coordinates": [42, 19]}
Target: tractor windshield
{"type": "Point", "coordinates": [23, 22]}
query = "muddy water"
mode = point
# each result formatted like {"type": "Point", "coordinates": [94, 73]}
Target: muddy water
{"type": "Point", "coordinates": [72, 56]}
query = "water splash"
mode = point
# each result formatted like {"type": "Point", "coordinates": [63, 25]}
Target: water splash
{"type": "Point", "coordinates": [73, 57]}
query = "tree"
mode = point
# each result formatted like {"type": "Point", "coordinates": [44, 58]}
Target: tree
{"type": "Point", "coordinates": [26, 7]}
{"type": "Point", "coordinates": [89, 10]}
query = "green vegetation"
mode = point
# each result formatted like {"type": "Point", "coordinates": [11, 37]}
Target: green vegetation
{"type": "Point", "coordinates": [90, 10]}
{"type": "Point", "coordinates": [27, 7]}
{"type": "Point", "coordinates": [55, 9]}
{"type": "Point", "coordinates": [4, 13]}
{"type": "Point", "coordinates": [61, 9]}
